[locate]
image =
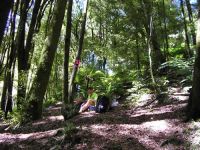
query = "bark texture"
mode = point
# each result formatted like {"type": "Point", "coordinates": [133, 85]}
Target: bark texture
{"type": "Point", "coordinates": [194, 101]}
{"type": "Point", "coordinates": [5, 7]}
{"type": "Point", "coordinates": [40, 82]}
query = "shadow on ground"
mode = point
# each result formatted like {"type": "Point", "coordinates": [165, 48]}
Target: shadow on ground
{"type": "Point", "coordinates": [152, 127]}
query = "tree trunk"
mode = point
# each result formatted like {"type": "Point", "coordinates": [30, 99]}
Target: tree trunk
{"type": "Point", "coordinates": [12, 35]}
{"type": "Point", "coordinates": [149, 43]}
{"type": "Point", "coordinates": [104, 63]}
{"type": "Point", "coordinates": [78, 57]}
{"type": "Point", "coordinates": [156, 51]}
{"type": "Point", "coordinates": [100, 30]}
{"type": "Point", "coordinates": [9, 77]}
{"type": "Point", "coordinates": [42, 9]}
{"type": "Point", "coordinates": [138, 57]}
{"type": "Point", "coordinates": [21, 53]}
{"type": "Point", "coordinates": [9, 103]}
{"type": "Point", "coordinates": [6, 98]}
{"type": "Point", "coordinates": [6, 101]}
{"type": "Point", "coordinates": [187, 41]}
{"type": "Point", "coordinates": [4, 92]}
{"type": "Point", "coordinates": [165, 31]}
{"type": "Point", "coordinates": [25, 51]}
{"type": "Point", "coordinates": [194, 101]}
{"type": "Point", "coordinates": [189, 9]}
{"type": "Point", "coordinates": [5, 7]}
{"type": "Point", "coordinates": [28, 48]}
{"type": "Point", "coordinates": [157, 54]}
{"type": "Point", "coordinates": [66, 52]}
{"type": "Point", "coordinates": [40, 82]}
{"type": "Point", "coordinates": [12, 60]}
{"type": "Point", "coordinates": [49, 18]}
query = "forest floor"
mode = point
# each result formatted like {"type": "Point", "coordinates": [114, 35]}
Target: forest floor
{"type": "Point", "coordinates": [148, 126]}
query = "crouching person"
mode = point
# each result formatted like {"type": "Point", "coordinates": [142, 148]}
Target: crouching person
{"type": "Point", "coordinates": [91, 100]}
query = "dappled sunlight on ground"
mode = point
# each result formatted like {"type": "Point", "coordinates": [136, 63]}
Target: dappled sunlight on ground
{"type": "Point", "coordinates": [39, 123]}
{"type": "Point", "coordinates": [148, 127]}
{"type": "Point", "coordinates": [149, 134]}
{"type": "Point", "coordinates": [194, 130]}
{"type": "Point", "coordinates": [54, 118]}
{"type": "Point", "coordinates": [13, 138]}
{"type": "Point", "coordinates": [145, 97]}
{"type": "Point", "coordinates": [87, 114]}
{"type": "Point", "coordinates": [158, 110]}
{"type": "Point", "coordinates": [181, 98]}
{"type": "Point", "coordinates": [157, 126]}
{"type": "Point", "coordinates": [48, 119]}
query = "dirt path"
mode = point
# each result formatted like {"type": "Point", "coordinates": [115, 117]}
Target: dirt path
{"type": "Point", "coordinates": [154, 127]}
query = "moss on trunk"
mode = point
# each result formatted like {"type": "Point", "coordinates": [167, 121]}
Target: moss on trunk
{"type": "Point", "coordinates": [40, 82]}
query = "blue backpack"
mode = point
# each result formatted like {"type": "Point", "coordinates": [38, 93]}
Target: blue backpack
{"type": "Point", "coordinates": [103, 104]}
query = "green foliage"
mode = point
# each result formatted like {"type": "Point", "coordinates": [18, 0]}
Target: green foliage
{"type": "Point", "coordinates": [54, 90]}
{"type": "Point", "coordinates": [70, 131]}
{"type": "Point", "coordinates": [181, 64]}
{"type": "Point", "coordinates": [180, 68]}
{"type": "Point", "coordinates": [18, 117]}
{"type": "Point", "coordinates": [139, 88]}
{"type": "Point", "coordinates": [177, 52]}
{"type": "Point", "coordinates": [69, 111]}
{"type": "Point", "coordinates": [1, 113]}
{"type": "Point", "coordinates": [102, 82]}
{"type": "Point", "coordinates": [162, 83]}
{"type": "Point", "coordinates": [50, 101]}
{"type": "Point", "coordinates": [1, 77]}
{"type": "Point", "coordinates": [118, 34]}
{"type": "Point", "coordinates": [70, 136]}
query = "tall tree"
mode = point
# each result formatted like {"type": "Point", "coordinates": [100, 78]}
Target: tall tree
{"type": "Point", "coordinates": [190, 15]}
{"type": "Point", "coordinates": [194, 101]}
{"type": "Point", "coordinates": [165, 29]}
{"type": "Point", "coordinates": [6, 98]}
{"type": "Point", "coordinates": [21, 53]}
{"type": "Point", "coordinates": [66, 51]}
{"type": "Point", "coordinates": [28, 47]}
{"type": "Point", "coordinates": [78, 56]}
{"type": "Point", "coordinates": [27, 53]}
{"type": "Point", "coordinates": [187, 41]}
{"type": "Point", "coordinates": [5, 7]}
{"type": "Point", "coordinates": [40, 82]}
{"type": "Point", "coordinates": [159, 58]}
